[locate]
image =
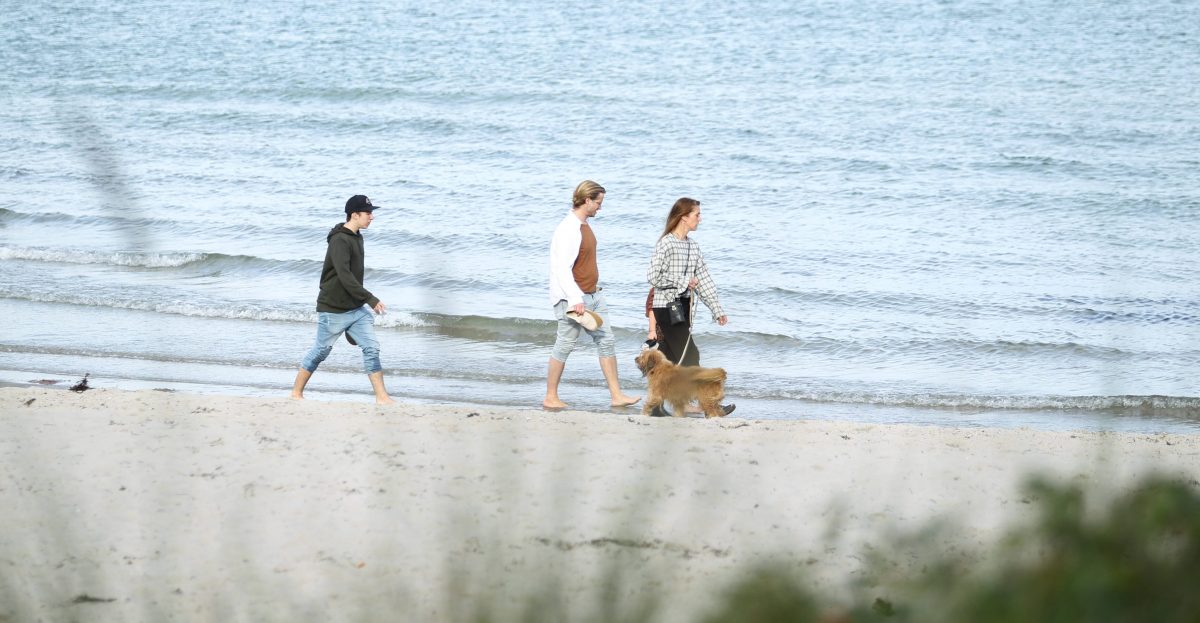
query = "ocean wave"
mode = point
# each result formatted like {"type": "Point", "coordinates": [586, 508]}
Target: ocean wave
{"type": "Point", "coordinates": [420, 88]}
{"type": "Point", "coordinates": [292, 234]}
{"type": "Point", "coordinates": [192, 262]}
{"type": "Point", "coordinates": [1084, 310]}
{"type": "Point", "coordinates": [112, 258]}
{"type": "Point", "coordinates": [1185, 408]}
{"type": "Point", "coordinates": [483, 328]}
{"type": "Point", "coordinates": [854, 298]}
{"type": "Point", "coordinates": [208, 309]}
{"type": "Point", "coordinates": [952, 305]}
{"type": "Point", "coordinates": [245, 266]}
{"type": "Point", "coordinates": [125, 354]}
{"type": "Point", "coordinates": [1125, 309]}
{"type": "Point", "coordinates": [8, 215]}
{"type": "Point", "coordinates": [395, 368]}
{"type": "Point", "coordinates": [946, 348]}
{"type": "Point", "coordinates": [319, 121]}
{"type": "Point", "coordinates": [1188, 406]}
{"type": "Point", "coordinates": [1039, 163]}
{"type": "Point", "coordinates": [951, 350]}
{"type": "Point", "coordinates": [14, 172]}
{"type": "Point", "coordinates": [122, 221]}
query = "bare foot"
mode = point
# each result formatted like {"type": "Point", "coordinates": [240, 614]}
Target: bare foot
{"type": "Point", "coordinates": [297, 396]}
{"type": "Point", "coordinates": [386, 400]}
{"type": "Point", "coordinates": [625, 401]}
{"type": "Point", "coordinates": [553, 403]}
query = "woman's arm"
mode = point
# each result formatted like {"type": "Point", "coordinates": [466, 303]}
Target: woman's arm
{"type": "Point", "coordinates": [707, 288]}
{"type": "Point", "coordinates": [653, 334]}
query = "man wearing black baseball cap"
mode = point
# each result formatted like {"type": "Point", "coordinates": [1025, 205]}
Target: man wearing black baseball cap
{"type": "Point", "coordinates": [358, 203]}
{"type": "Point", "coordinates": [343, 304]}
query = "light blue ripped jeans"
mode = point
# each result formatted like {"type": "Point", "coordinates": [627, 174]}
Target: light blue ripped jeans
{"type": "Point", "coordinates": [569, 330]}
{"type": "Point", "coordinates": [359, 323]}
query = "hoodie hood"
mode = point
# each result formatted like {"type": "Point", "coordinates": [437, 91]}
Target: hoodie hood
{"type": "Point", "coordinates": [340, 228]}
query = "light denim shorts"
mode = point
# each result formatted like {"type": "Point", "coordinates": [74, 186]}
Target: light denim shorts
{"type": "Point", "coordinates": [569, 330]}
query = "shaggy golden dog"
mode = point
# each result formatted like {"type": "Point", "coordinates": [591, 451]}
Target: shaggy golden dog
{"type": "Point", "coordinates": [677, 385]}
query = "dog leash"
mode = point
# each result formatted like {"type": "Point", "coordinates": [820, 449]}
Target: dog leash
{"type": "Point", "coordinates": [691, 307]}
{"type": "Point", "coordinates": [691, 316]}
{"type": "Point", "coordinates": [685, 347]}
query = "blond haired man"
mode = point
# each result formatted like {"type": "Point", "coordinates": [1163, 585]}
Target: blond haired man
{"type": "Point", "coordinates": [574, 286]}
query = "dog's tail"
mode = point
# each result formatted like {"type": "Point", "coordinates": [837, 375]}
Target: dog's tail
{"type": "Point", "coordinates": [707, 375]}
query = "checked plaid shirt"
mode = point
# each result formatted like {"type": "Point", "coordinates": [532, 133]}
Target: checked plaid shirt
{"type": "Point", "coordinates": [675, 263]}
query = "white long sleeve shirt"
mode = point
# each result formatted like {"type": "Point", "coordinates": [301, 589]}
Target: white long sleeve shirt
{"type": "Point", "coordinates": [564, 249]}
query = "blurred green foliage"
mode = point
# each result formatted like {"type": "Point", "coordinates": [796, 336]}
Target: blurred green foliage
{"type": "Point", "coordinates": [1137, 560]}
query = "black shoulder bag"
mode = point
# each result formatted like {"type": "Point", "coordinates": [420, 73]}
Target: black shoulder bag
{"type": "Point", "coordinates": [675, 308]}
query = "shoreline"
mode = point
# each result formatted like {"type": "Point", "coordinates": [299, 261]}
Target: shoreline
{"type": "Point", "coordinates": [224, 505]}
{"type": "Point", "coordinates": [592, 398]}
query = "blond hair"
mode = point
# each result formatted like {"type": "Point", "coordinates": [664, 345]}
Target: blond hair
{"type": "Point", "coordinates": [587, 189]}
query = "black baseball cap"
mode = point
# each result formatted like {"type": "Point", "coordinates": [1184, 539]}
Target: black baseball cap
{"type": "Point", "coordinates": [359, 203]}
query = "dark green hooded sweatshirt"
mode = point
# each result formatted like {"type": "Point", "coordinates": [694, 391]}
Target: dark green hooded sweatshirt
{"type": "Point", "coordinates": [342, 275]}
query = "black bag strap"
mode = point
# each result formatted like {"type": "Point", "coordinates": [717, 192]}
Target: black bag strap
{"type": "Point", "coordinates": [687, 263]}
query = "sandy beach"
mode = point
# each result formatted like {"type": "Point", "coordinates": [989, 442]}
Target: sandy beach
{"type": "Point", "coordinates": [155, 505]}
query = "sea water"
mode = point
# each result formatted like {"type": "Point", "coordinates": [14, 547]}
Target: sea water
{"type": "Point", "coordinates": [965, 213]}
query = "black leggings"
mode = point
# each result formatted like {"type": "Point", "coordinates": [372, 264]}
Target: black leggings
{"type": "Point", "coordinates": [673, 338]}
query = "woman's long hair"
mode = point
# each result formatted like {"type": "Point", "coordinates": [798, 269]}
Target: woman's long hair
{"type": "Point", "coordinates": [683, 207]}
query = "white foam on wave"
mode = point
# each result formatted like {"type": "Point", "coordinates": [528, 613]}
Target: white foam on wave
{"type": "Point", "coordinates": [997, 402]}
{"type": "Point", "coordinates": [208, 309]}
{"type": "Point", "coordinates": [399, 319]}
{"type": "Point", "coordinates": [112, 258]}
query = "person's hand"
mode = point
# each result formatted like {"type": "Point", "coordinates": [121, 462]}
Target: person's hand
{"type": "Point", "coordinates": [693, 283]}
{"type": "Point", "coordinates": [653, 334]}
{"type": "Point", "coordinates": [578, 309]}
{"type": "Point", "coordinates": [380, 308]}
{"type": "Point", "coordinates": [722, 320]}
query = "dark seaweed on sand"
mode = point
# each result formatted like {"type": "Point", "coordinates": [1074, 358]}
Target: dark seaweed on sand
{"type": "Point", "coordinates": [82, 385]}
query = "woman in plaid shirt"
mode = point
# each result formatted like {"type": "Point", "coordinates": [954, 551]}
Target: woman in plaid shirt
{"type": "Point", "coordinates": [678, 272]}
